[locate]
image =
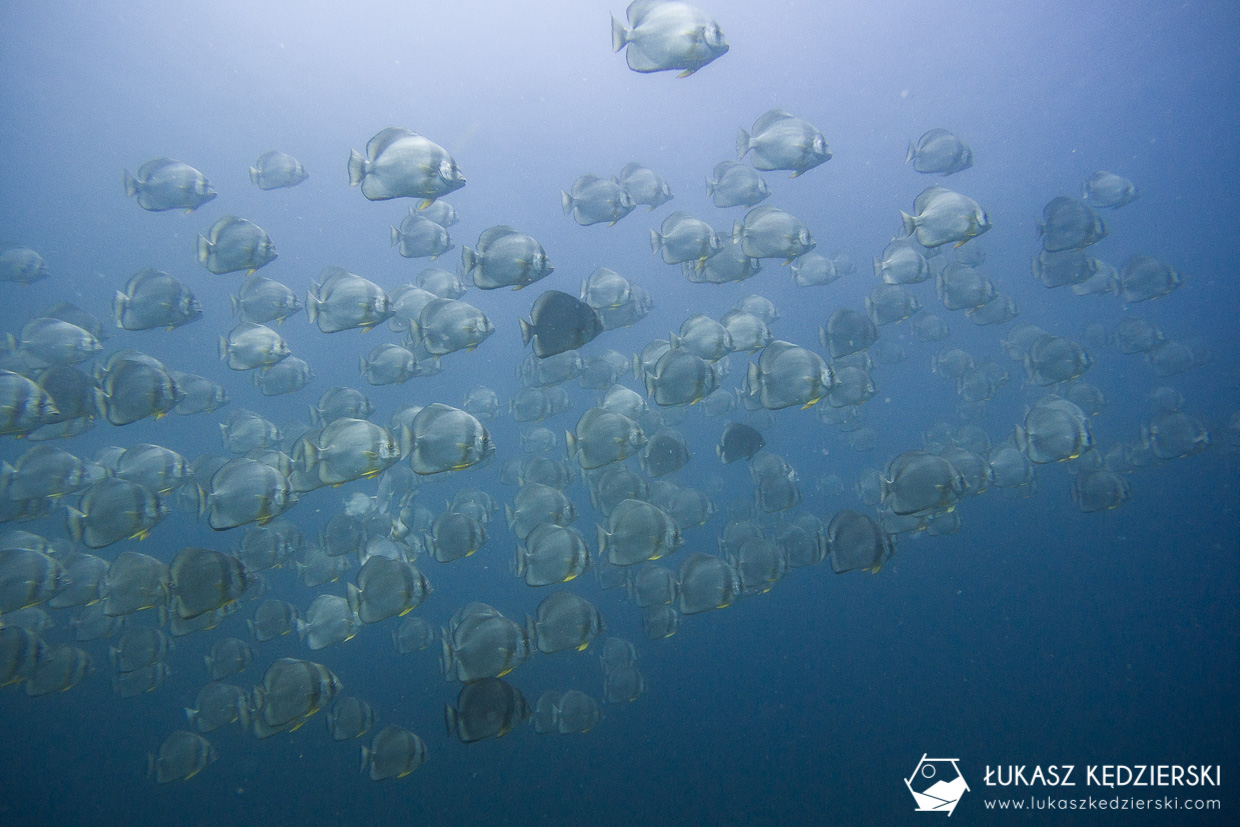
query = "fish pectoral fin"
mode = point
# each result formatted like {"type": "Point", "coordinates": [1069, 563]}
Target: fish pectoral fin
{"type": "Point", "coordinates": [686, 73]}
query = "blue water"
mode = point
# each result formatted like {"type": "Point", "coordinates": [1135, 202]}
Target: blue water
{"type": "Point", "coordinates": [1036, 635]}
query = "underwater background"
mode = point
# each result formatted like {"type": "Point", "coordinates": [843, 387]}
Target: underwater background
{"type": "Point", "coordinates": [1036, 634]}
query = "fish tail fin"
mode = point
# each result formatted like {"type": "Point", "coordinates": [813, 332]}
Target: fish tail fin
{"type": "Point", "coordinates": [742, 143]}
{"type": "Point", "coordinates": [204, 250]}
{"type": "Point", "coordinates": [910, 223]}
{"type": "Point", "coordinates": [566, 202]}
{"type": "Point", "coordinates": [602, 535]}
{"type": "Point", "coordinates": [235, 304]}
{"type": "Point", "coordinates": [312, 307]}
{"type": "Point", "coordinates": [651, 386]}
{"type": "Point", "coordinates": [131, 185]}
{"type": "Point", "coordinates": [738, 232]}
{"type": "Point", "coordinates": [570, 443]}
{"type": "Point", "coordinates": [710, 188]}
{"type": "Point", "coordinates": [120, 302]}
{"type": "Point", "coordinates": [197, 496]}
{"type": "Point", "coordinates": [405, 440]}
{"type": "Point", "coordinates": [99, 398]}
{"type": "Point", "coordinates": [656, 241]}
{"type": "Point", "coordinates": [357, 167]}
{"type": "Point", "coordinates": [254, 176]}
{"type": "Point", "coordinates": [354, 597]}
{"type": "Point", "coordinates": [75, 521]}
{"type": "Point", "coordinates": [619, 34]}
{"type": "Point", "coordinates": [912, 151]}
{"type": "Point", "coordinates": [510, 516]}
{"type": "Point", "coordinates": [469, 260]}
{"type": "Point", "coordinates": [527, 332]}
{"type": "Point", "coordinates": [222, 349]}
{"type": "Point", "coordinates": [878, 269]}
{"type": "Point", "coordinates": [303, 629]}
{"type": "Point", "coordinates": [447, 659]}
{"type": "Point", "coordinates": [395, 236]}
{"type": "Point", "coordinates": [522, 561]}
{"type": "Point", "coordinates": [450, 718]}
{"type": "Point", "coordinates": [365, 758]}
{"type": "Point", "coordinates": [1021, 437]}
{"type": "Point", "coordinates": [310, 454]}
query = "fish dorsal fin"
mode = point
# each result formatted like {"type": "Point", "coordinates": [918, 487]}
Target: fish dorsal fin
{"type": "Point", "coordinates": [770, 119]}
{"type": "Point", "coordinates": [927, 195]}
{"type": "Point", "coordinates": [493, 235]}
{"type": "Point", "coordinates": [638, 10]}
{"type": "Point", "coordinates": [630, 168]}
{"type": "Point", "coordinates": [385, 138]}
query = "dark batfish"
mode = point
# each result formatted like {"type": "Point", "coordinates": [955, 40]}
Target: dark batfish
{"type": "Point", "coordinates": [558, 323]}
{"type": "Point", "coordinates": [738, 442]}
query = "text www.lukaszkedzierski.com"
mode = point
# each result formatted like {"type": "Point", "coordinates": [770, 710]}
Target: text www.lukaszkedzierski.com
{"type": "Point", "coordinates": [1091, 803]}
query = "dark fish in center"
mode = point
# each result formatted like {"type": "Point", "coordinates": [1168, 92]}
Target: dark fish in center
{"type": "Point", "coordinates": [739, 441]}
{"type": "Point", "coordinates": [558, 323]}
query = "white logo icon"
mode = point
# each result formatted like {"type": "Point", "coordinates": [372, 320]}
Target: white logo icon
{"type": "Point", "coordinates": [936, 785]}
